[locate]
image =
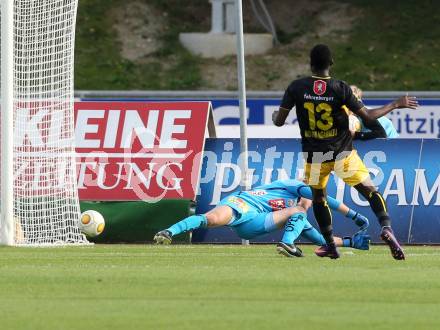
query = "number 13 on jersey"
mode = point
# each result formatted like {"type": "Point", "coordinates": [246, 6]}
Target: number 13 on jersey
{"type": "Point", "coordinates": [326, 120]}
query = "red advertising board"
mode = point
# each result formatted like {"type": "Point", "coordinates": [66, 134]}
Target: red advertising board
{"type": "Point", "coordinates": [139, 150]}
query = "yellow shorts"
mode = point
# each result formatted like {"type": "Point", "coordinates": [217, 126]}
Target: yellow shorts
{"type": "Point", "coordinates": [351, 169]}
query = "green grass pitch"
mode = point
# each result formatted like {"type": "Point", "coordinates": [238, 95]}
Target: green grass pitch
{"type": "Point", "coordinates": [216, 287]}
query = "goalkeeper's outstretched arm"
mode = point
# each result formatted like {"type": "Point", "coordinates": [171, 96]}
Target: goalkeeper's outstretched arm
{"type": "Point", "coordinates": [360, 220]}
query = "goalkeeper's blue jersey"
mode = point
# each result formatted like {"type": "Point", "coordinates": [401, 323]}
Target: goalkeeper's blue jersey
{"type": "Point", "coordinates": [387, 125]}
{"type": "Point", "coordinates": [274, 196]}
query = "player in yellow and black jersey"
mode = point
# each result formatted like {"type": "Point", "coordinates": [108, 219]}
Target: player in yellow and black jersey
{"type": "Point", "coordinates": [319, 101]}
{"type": "Point", "coordinates": [321, 106]}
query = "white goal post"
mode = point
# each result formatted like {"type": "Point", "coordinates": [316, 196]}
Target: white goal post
{"type": "Point", "coordinates": [39, 203]}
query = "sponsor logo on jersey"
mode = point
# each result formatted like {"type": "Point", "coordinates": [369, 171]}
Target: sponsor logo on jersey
{"type": "Point", "coordinates": [239, 203]}
{"type": "Point", "coordinates": [277, 204]}
{"type": "Point", "coordinates": [318, 98]}
{"type": "Point", "coordinates": [319, 87]}
{"type": "Point", "coordinates": [257, 192]}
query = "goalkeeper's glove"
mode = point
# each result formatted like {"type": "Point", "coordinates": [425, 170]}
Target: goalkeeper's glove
{"type": "Point", "coordinates": [360, 220]}
{"type": "Point", "coordinates": [360, 241]}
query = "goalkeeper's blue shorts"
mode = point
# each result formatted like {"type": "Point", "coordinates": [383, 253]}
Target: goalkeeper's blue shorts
{"type": "Point", "coordinates": [248, 221]}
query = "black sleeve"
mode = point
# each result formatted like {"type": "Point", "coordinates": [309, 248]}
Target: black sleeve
{"type": "Point", "coordinates": [349, 100]}
{"type": "Point", "coordinates": [288, 101]}
{"type": "Point", "coordinates": [376, 131]}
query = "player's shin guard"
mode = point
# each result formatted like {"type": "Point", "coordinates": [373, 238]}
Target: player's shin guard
{"type": "Point", "coordinates": [379, 208]}
{"type": "Point", "coordinates": [187, 224]}
{"type": "Point", "coordinates": [323, 216]}
{"type": "Point", "coordinates": [293, 228]}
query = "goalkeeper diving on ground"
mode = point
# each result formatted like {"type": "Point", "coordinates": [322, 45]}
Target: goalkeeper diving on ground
{"type": "Point", "coordinates": [267, 208]}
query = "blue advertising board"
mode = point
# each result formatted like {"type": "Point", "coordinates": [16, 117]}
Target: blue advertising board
{"type": "Point", "coordinates": [423, 123]}
{"type": "Point", "coordinates": [407, 172]}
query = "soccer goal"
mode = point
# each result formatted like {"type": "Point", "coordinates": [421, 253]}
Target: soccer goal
{"type": "Point", "coordinates": [39, 200]}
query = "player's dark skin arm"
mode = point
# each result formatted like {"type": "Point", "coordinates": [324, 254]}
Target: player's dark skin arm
{"type": "Point", "coordinates": [279, 117]}
{"type": "Point", "coordinates": [368, 116]}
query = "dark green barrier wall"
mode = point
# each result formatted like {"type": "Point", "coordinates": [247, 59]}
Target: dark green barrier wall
{"type": "Point", "coordinates": [137, 222]}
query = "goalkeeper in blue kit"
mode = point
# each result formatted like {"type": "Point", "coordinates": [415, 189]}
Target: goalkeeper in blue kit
{"type": "Point", "coordinates": [267, 208]}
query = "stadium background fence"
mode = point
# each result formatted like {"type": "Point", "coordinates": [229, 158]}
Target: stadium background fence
{"type": "Point", "coordinates": [415, 224]}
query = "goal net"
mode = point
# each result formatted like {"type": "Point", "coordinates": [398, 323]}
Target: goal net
{"type": "Point", "coordinates": [39, 198]}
